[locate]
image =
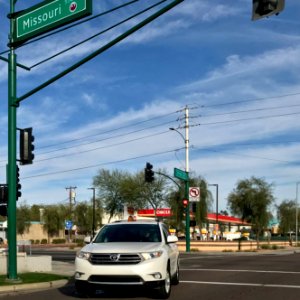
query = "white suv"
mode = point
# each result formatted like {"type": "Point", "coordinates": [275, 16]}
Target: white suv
{"type": "Point", "coordinates": [139, 253]}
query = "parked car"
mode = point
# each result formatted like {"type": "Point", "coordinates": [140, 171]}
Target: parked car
{"type": "Point", "coordinates": [139, 253]}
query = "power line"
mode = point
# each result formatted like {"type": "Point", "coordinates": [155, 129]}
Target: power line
{"type": "Point", "coordinates": [113, 130]}
{"type": "Point", "coordinates": [97, 34]}
{"type": "Point", "coordinates": [103, 147]}
{"type": "Point", "coordinates": [249, 110]}
{"type": "Point", "coordinates": [101, 164]}
{"type": "Point", "coordinates": [245, 119]}
{"type": "Point", "coordinates": [243, 155]}
{"type": "Point", "coordinates": [73, 25]}
{"type": "Point", "coordinates": [252, 100]}
{"type": "Point", "coordinates": [109, 138]}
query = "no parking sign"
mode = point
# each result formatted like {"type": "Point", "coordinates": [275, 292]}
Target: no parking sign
{"type": "Point", "coordinates": [194, 194]}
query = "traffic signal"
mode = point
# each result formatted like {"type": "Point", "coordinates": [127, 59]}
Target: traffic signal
{"type": "Point", "coordinates": [185, 203]}
{"type": "Point", "coordinates": [3, 200]}
{"type": "Point", "coordinates": [149, 173]}
{"type": "Point", "coordinates": [265, 8]}
{"type": "Point", "coordinates": [26, 146]}
{"type": "Point", "coordinates": [18, 184]}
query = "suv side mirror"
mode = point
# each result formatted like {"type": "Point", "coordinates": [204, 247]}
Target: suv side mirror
{"type": "Point", "coordinates": [87, 239]}
{"type": "Point", "coordinates": [172, 239]}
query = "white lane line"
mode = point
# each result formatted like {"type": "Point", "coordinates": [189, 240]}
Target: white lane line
{"type": "Point", "coordinates": [248, 271]}
{"type": "Point", "coordinates": [244, 284]}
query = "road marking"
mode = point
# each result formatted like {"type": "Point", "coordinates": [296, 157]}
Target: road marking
{"type": "Point", "coordinates": [244, 284]}
{"type": "Point", "coordinates": [248, 271]}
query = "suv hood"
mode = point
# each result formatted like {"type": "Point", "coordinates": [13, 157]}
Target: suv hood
{"type": "Point", "coordinates": [121, 247]}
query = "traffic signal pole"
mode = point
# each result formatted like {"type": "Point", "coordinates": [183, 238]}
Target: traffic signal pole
{"type": "Point", "coordinates": [12, 157]}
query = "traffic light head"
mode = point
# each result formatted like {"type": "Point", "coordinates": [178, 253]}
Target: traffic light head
{"type": "Point", "coordinates": [3, 210]}
{"type": "Point", "coordinates": [18, 184]}
{"type": "Point", "coordinates": [149, 173]}
{"type": "Point", "coordinates": [26, 146]}
{"type": "Point", "coordinates": [185, 203]}
{"type": "Point", "coordinates": [3, 200]}
{"type": "Point", "coordinates": [265, 8]}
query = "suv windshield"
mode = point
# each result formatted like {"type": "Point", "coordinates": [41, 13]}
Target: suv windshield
{"type": "Point", "coordinates": [146, 233]}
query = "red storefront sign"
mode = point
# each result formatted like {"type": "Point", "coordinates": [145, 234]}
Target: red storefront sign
{"type": "Point", "coordinates": [160, 212]}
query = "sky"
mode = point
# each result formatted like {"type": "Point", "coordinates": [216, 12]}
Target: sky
{"type": "Point", "coordinates": [240, 80]}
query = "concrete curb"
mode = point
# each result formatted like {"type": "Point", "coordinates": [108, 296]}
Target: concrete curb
{"type": "Point", "coordinates": [7, 289]}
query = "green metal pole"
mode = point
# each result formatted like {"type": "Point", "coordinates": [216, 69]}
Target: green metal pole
{"type": "Point", "coordinates": [187, 218]}
{"type": "Point", "coordinates": [12, 154]}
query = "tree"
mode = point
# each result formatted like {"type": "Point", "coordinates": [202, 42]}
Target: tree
{"type": "Point", "coordinates": [54, 219]}
{"type": "Point", "coordinates": [23, 218]}
{"type": "Point", "coordinates": [152, 194]}
{"type": "Point", "coordinates": [201, 207]}
{"type": "Point", "coordinates": [110, 189]}
{"type": "Point", "coordinates": [35, 214]}
{"type": "Point", "coordinates": [205, 203]}
{"type": "Point", "coordinates": [250, 200]}
{"type": "Point", "coordinates": [83, 217]}
{"type": "Point", "coordinates": [286, 213]}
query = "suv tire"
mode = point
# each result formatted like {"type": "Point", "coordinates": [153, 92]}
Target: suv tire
{"type": "Point", "coordinates": [175, 279]}
{"type": "Point", "coordinates": [164, 290]}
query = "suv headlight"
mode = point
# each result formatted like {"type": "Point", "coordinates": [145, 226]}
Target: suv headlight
{"type": "Point", "coordinates": [151, 255]}
{"type": "Point", "coordinates": [83, 255]}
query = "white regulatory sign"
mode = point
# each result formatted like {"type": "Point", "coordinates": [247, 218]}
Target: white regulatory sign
{"type": "Point", "coordinates": [194, 194]}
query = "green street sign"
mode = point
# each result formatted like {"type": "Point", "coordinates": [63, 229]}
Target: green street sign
{"type": "Point", "coordinates": [46, 16]}
{"type": "Point", "coordinates": [183, 175]}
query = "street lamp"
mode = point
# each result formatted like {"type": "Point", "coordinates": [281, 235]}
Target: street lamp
{"type": "Point", "coordinates": [93, 219]}
{"type": "Point", "coordinates": [217, 200]}
{"type": "Point", "coordinates": [297, 183]}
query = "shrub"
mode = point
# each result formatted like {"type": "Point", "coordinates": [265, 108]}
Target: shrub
{"type": "Point", "coordinates": [265, 246]}
{"type": "Point", "coordinates": [58, 241]}
{"type": "Point", "coordinates": [44, 241]}
{"type": "Point", "coordinates": [37, 242]}
{"type": "Point", "coordinates": [194, 250]}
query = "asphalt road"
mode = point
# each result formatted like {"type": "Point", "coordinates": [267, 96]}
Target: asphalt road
{"type": "Point", "coordinates": [220, 276]}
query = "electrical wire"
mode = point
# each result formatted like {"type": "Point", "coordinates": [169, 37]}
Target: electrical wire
{"type": "Point", "coordinates": [73, 25]}
{"type": "Point", "coordinates": [113, 130]}
{"type": "Point", "coordinates": [97, 34]}
{"type": "Point", "coordinates": [251, 100]}
{"type": "Point", "coordinates": [101, 164]}
{"type": "Point", "coordinates": [103, 147]}
{"type": "Point", "coordinates": [249, 110]}
{"type": "Point", "coordinates": [244, 155]}
{"type": "Point", "coordinates": [245, 119]}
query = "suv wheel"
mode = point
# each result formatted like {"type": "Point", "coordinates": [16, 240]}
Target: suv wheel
{"type": "Point", "coordinates": [175, 279]}
{"type": "Point", "coordinates": [164, 290]}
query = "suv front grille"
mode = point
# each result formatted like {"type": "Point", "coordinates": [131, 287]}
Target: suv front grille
{"type": "Point", "coordinates": [122, 280]}
{"type": "Point", "coordinates": [115, 259]}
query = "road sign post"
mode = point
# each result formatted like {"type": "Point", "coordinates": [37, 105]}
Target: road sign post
{"type": "Point", "coordinates": [46, 16]}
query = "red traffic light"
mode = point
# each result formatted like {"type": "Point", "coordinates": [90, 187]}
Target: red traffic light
{"type": "Point", "coordinates": [185, 202]}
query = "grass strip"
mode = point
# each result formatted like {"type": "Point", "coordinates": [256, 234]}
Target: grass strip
{"type": "Point", "coordinates": [32, 278]}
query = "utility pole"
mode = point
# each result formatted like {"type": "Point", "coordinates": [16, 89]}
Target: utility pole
{"type": "Point", "coordinates": [186, 180]}
{"type": "Point", "coordinates": [296, 231]}
{"type": "Point", "coordinates": [93, 221]}
{"type": "Point", "coordinates": [71, 190]}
